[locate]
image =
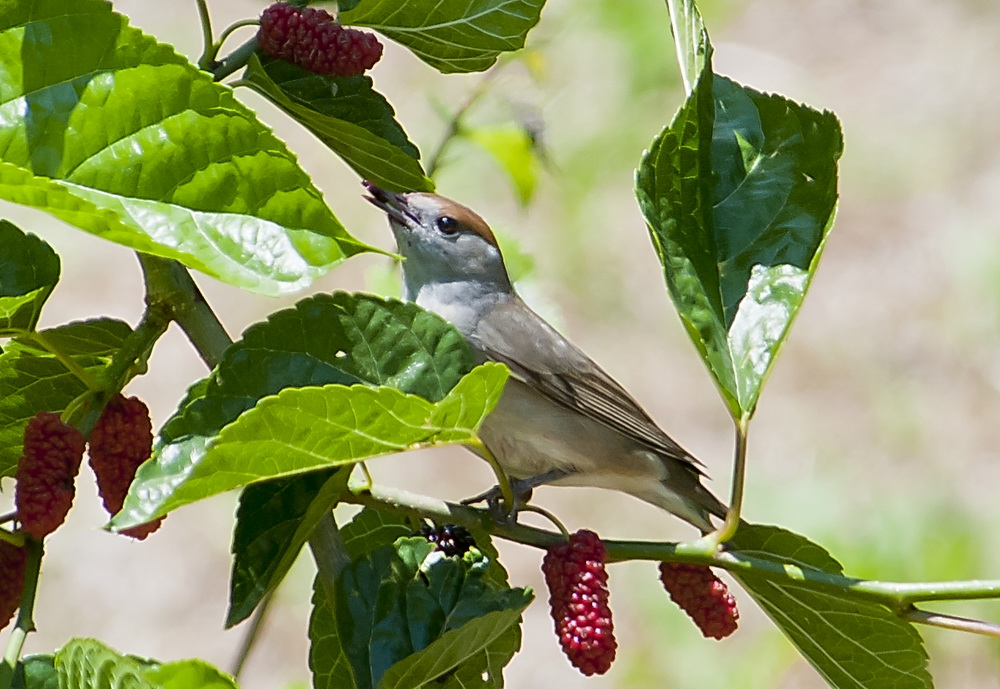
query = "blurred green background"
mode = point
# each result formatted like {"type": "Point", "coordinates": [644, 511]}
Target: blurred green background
{"type": "Point", "coordinates": [874, 436]}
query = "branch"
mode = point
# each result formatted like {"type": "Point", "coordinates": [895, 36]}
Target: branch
{"type": "Point", "coordinates": [897, 596]}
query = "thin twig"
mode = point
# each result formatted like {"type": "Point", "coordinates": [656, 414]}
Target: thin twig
{"type": "Point", "coordinates": [457, 119]}
{"type": "Point", "coordinates": [732, 521]}
{"type": "Point", "coordinates": [962, 624]}
{"type": "Point", "coordinates": [252, 634]}
{"type": "Point", "coordinates": [235, 60]}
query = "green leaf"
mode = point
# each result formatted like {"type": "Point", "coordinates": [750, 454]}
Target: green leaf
{"type": "Point", "coordinates": [36, 672]}
{"type": "Point", "coordinates": [349, 117]}
{"type": "Point", "coordinates": [372, 528]}
{"type": "Point", "coordinates": [305, 429]}
{"type": "Point", "coordinates": [29, 271]}
{"type": "Point", "coordinates": [410, 586]}
{"type": "Point", "coordinates": [739, 194]}
{"type": "Point", "coordinates": [34, 380]}
{"type": "Point", "coordinates": [188, 674]}
{"type": "Point", "coordinates": [339, 338]}
{"type": "Point", "coordinates": [89, 664]}
{"type": "Point", "coordinates": [513, 149]}
{"type": "Point", "coordinates": [853, 644]}
{"type": "Point", "coordinates": [273, 522]}
{"type": "Point", "coordinates": [694, 51]}
{"type": "Point", "coordinates": [122, 137]}
{"type": "Point", "coordinates": [327, 660]}
{"type": "Point", "coordinates": [471, 655]}
{"type": "Point", "coordinates": [451, 35]}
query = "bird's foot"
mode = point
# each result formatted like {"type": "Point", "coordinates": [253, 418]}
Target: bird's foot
{"type": "Point", "coordinates": [520, 488]}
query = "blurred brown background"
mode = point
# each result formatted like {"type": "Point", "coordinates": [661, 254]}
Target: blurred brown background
{"type": "Point", "coordinates": [875, 433]}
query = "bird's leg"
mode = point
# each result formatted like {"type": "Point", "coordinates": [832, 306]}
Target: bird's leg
{"type": "Point", "coordinates": [521, 490]}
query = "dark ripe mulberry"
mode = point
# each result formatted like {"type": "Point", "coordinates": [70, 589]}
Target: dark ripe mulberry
{"type": "Point", "coordinates": [703, 596]}
{"type": "Point", "coordinates": [578, 599]}
{"type": "Point", "coordinates": [121, 440]}
{"type": "Point", "coordinates": [46, 474]}
{"type": "Point", "coordinates": [12, 563]}
{"type": "Point", "coordinates": [450, 539]}
{"type": "Point", "coordinates": [313, 40]}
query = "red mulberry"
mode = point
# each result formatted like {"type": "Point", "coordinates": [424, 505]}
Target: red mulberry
{"type": "Point", "coordinates": [12, 562]}
{"type": "Point", "coordinates": [312, 39]}
{"type": "Point", "coordinates": [578, 597]}
{"type": "Point", "coordinates": [46, 473]}
{"type": "Point", "coordinates": [703, 596]}
{"type": "Point", "coordinates": [122, 440]}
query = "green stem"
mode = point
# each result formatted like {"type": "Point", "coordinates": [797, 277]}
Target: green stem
{"type": "Point", "coordinates": [209, 50]}
{"type": "Point", "coordinates": [229, 30]}
{"type": "Point", "coordinates": [732, 521]}
{"type": "Point", "coordinates": [898, 596]}
{"type": "Point", "coordinates": [235, 60]}
{"type": "Point", "coordinates": [25, 621]}
{"type": "Point", "coordinates": [171, 293]}
{"type": "Point", "coordinates": [503, 482]}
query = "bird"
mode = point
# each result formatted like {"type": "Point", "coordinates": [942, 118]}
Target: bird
{"type": "Point", "coordinates": [561, 419]}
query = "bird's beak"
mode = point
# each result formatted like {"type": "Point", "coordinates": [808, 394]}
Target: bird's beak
{"type": "Point", "coordinates": [393, 204]}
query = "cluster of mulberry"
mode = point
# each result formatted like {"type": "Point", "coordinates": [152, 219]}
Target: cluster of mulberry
{"type": "Point", "coordinates": [121, 440]}
{"type": "Point", "coordinates": [450, 539]}
{"type": "Point", "coordinates": [313, 40]}
{"type": "Point", "coordinates": [46, 474]}
{"type": "Point", "coordinates": [578, 598]}
{"type": "Point", "coordinates": [703, 596]}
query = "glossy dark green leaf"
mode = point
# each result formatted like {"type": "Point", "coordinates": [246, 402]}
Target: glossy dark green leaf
{"type": "Point", "coordinates": [328, 662]}
{"type": "Point", "coordinates": [29, 270]}
{"type": "Point", "coordinates": [306, 429]}
{"type": "Point", "coordinates": [451, 35]}
{"type": "Point", "coordinates": [410, 586]}
{"type": "Point", "coordinates": [348, 116]}
{"type": "Point", "coordinates": [33, 380]}
{"type": "Point", "coordinates": [851, 643]}
{"type": "Point", "coordinates": [370, 529]}
{"type": "Point", "coordinates": [739, 194]}
{"type": "Point", "coordinates": [273, 522]}
{"type": "Point", "coordinates": [124, 138]}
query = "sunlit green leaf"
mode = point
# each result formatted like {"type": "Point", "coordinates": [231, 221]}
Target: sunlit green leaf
{"type": "Point", "coordinates": [347, 115]}
{"type": "Point", "coordinates": [89, 664]}
{"type": "Point", "coordinates": [29, 270]}
{"type": "Point", "coordinates": [189, 674]}
{"type": "Point", "coordinates": [739, 194]}
{"type": "Point", "coordinates": [305, 429]}
{"type": "Point", "coordinates": [451, 35]}
{"type": "Point", "coordinates": [122, 137]}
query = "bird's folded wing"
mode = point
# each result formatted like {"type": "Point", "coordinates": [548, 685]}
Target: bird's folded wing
{"type": "Point", "coordinates": [538, 355]}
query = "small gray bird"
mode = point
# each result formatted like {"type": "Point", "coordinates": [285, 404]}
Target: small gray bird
{"type": "Point", "coordinates": [561, 419]}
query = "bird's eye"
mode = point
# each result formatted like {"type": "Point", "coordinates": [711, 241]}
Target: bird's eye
{"type": "Point", "coordinates": [447, 225]}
